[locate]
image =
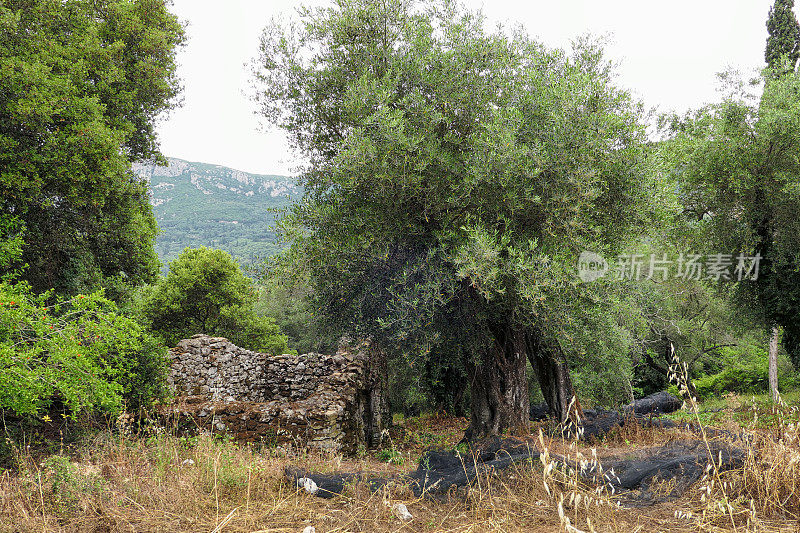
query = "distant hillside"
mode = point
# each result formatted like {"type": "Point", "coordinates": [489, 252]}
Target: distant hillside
{"type": "Point", "coordinates": [197, 204]}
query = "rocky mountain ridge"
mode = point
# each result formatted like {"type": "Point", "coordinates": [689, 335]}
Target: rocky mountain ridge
{"type": "Point", "coordinates": [201, 204]}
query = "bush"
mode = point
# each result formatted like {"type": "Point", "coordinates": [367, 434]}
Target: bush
{"type": "Point", "coordinates": [80, 352]}
{"type": "Point", "coordinates": [64, 485]}
{"type": "Point", "coordinates": [749, 376]}
{"type": "Point", "coordinates": [205, 291]}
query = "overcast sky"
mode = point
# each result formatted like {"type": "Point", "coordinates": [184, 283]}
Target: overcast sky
{"type": "Point", "coordinates": [668, 54]}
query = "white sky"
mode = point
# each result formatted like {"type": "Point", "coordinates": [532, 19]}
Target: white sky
{"type": "Point", "coordinates": [668, 54]}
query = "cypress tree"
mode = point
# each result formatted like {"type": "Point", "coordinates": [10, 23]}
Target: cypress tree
{"type": "Point", "coordinates": [784, 34]}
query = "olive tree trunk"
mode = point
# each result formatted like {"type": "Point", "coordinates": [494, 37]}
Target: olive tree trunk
{"type": "Point", "coordinates": [377, 417]}
{"type": "Point", "coordinates": [500, 398]}
{"type": "Point", "coordinates": [551, 370]}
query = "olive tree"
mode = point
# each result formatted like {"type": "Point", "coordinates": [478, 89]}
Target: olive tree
{"type": "Point", "coordinates": [454, 175]}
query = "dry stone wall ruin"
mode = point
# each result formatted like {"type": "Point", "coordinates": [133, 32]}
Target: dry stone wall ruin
{"type": "Point", "coordinates": [328, 402]}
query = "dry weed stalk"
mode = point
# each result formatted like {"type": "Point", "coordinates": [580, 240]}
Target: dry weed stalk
{"type": "Point", "coordinates": [770, 479]}
{"type": "Point", "coordinates": [564, 478]}
{"type": "Point", "coordinates": [714, 503]}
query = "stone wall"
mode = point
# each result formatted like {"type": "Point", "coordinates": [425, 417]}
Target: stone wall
{"type": "Point", "coordinates": [331, 402]}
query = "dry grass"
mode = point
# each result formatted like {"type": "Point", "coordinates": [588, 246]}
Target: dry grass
{"type": "Point", "coordinates": [768, 486]}
{"type": "Point", "coordinates": [166, 483]}
{"type": "Point", "coordinates": [120, 484]}
{"type": "Point", "coordinates": [763, 494]}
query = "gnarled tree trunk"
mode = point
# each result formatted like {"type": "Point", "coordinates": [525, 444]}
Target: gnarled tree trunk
{"type": "Point", "coordinates": [551, 370]}
{"type": "Point", "coordinates": [500, 398]}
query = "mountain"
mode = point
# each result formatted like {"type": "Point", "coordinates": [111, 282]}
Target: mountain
{"type": "Point", "coordinates": [198, 204]}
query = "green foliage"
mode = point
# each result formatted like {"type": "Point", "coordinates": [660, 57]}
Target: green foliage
{"type": "Point", "coordinates": [10, 242]}
{"type": "Point", "coordinates": [455, 175]}
{"type": "Point", "coordinates": [79, 352]}
{"type": "Point", "coordinates": [391, 456]}
{"type": "Point", "coordinates": [743, 373]}
{"type": "Point", "coordinates": [737, 168]}
{"type": "Point", "coordinates": [690, 317]}
{"type": "Point", "coordinates": [206, 292]}
{"type": "Point", "coordinates": [750, 379]}
{"type": "Point", "coordinates": [285, 298]}
{"type": "Point", "coordinates": [601, 334]}
{"type": "Point", "coordinates": [81, 84]}
{"type": "Point", "coordinates": [791, 341]}
{"type": "Point", "coordinates": [783, 43]}
{"type": "Point", "coordinates": [433, 384]}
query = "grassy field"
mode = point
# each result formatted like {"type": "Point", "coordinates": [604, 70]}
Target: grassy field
{"type": "Point", "coordinates": [155, 481]}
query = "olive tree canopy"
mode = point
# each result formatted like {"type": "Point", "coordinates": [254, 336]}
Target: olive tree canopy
{"type": "Point", "coordinates": [454, 176]}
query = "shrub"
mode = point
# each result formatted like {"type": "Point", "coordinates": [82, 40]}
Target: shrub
{"type": "Point", "coordinates": [64, 484]}
{"type": "Point", "coordinates": [747, 376]}
{"type": "Point", "coordinates": [205, 291]}
{"type": "Point", "coordinates": [80, 352]}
